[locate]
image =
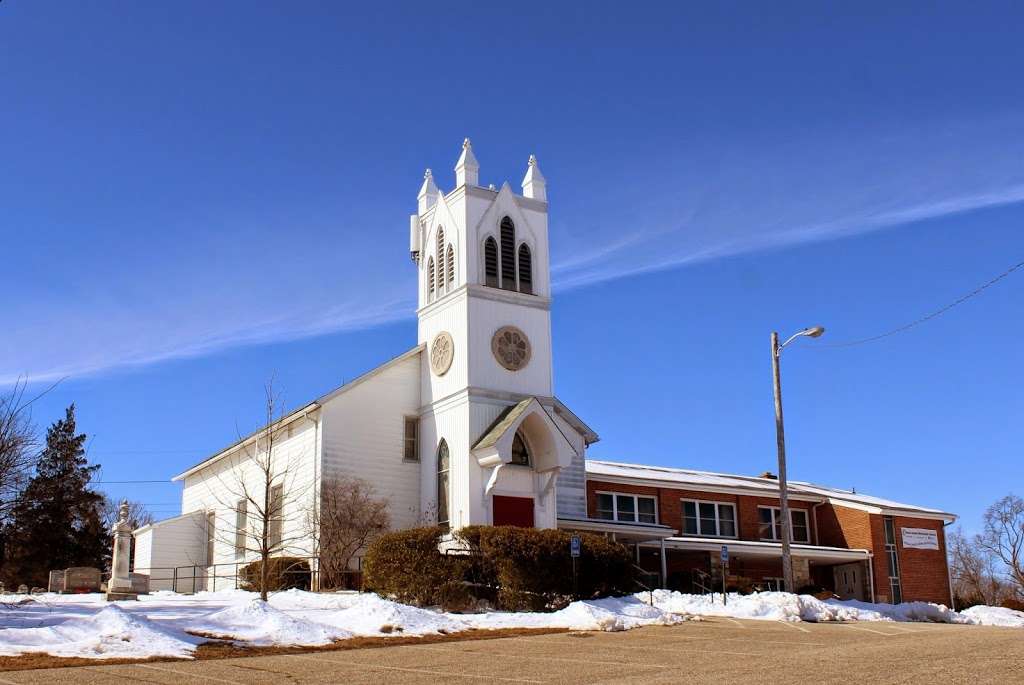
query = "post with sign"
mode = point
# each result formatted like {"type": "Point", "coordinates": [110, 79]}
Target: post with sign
{"type": "Point", "coordinates": [574, 552]}
{"type": "Point", "coordinates": [725, 572]}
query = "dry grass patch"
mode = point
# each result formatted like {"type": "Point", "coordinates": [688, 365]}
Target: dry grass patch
{"type": "Point", "coordinates": [220, 649]}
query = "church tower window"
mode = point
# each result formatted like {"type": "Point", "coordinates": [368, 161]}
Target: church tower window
{"type": "Point", "coordinates": [440, 261]}
{"type": "Point", "coordinates": [491, 263]}
{"type": "Point", "coordinates": [520, 452]}
{"type": "Point", "coordinates": [443, 466]}
{"type": "Point", "coordinates": [508, 254]}
{"type": "Point", "coordinates": [430, 279]}
{"type": "Point", "coordinates": [450, 259]}
{"type": "Point", "coordinates": [525, 270]}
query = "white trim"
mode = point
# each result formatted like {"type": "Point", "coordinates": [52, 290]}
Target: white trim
{"type": "Point", "coordinates": [757, 548]}
{"type": "Point", "coordinates": [807, 519]}
{"type": "Point", "coordinates": [636, 509]}
{"type": "Point", "coordinates": [717, 503]}
{"type": "Point", "coordinates": [699, 487]}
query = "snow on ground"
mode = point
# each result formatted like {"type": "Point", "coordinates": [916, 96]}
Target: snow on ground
{"type": "Point", "coordinates": [171, 625]}
{"type": "Point", "coordinates": [995, 616]}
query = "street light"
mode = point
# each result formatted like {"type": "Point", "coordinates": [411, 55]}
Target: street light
{"type": "Point", "coordinates": [780, 437]}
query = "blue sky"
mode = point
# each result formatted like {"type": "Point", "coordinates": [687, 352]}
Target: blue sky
{"type": "Point", "coordinates": [197, 196]}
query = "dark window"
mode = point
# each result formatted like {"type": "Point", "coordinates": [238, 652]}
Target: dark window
{"type": "Point", "coordinates": [690, 518]}
{"type": "Point", "coordinates": [525, 270]}
{"type": "Point", "coordinates": [520, 452]}
{"type": "Point", "coordinates": [411, 450]}
{"type": "Point", "coordinates": [211, 524]}
{"type": "Point", "coordinates": [606, 506]}
{"type": "Point", "coordinates": [798, 525]}
{"type": "Point", "coordinates": [726, 520]}
{"type": "Point", "coordinates": [645, 510]}
{"type": "Point", "coordinates": [894, 561]}
{"type": "Point", "coordinates": [770, 524]}
{"type": "Point", "coordinates": [766, 523]}
{"type": "Point", "coordinates": [241, 532]}
{"type": "Point", "coordinates": [491, 263]}
{"type": "Point", "coordinates": [275, 518]}
{"type": "Point", "coordinates": [508, 254]}
{"type": "Point", "coordinates": [442, 484]}
{"type": "Point", "coordinates": [626, 508]}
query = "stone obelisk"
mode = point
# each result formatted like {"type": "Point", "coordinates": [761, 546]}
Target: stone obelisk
{"type": "Point", "coordinates": [120, 585]}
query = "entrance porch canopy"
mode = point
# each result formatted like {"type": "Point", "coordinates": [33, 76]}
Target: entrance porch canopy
{"type": "Point", "coordinates": [816, 553]}
{"type": "Point", "coordinates": [623, 532]}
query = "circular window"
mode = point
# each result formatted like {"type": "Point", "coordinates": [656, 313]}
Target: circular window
{"type": "Point", "coordinates": [511, 348]}
{"type": "Point", "coordinates": [442, 351]}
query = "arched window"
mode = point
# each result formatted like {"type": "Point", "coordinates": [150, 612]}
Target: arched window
{"type": "Point", "coordinates": [450, 259]}
{"type": "Point", "coordinates": [508, 254]}
{"type": "Point", "coordinates": [442, 484]}
{"type": "Point", "coordinates": [491, 263]}
{"type": "Point", "coordinates": [525, 270]}
{"type": "Point", "coordinates": [440, 260]}
{"type": "Point", "coordinates": [520, 452]}
{"type": "Point", "coordinates": [430, 279]}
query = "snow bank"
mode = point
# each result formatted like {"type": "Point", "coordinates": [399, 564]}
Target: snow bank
{"type": "Point", "coordinates": [994, 616]}
{"type": "Point", "coordinates": [785, 606]}
{"type": "Point", "coordinates": [111, 633]}
{"type": "Point", "coordinates": [258, 623]}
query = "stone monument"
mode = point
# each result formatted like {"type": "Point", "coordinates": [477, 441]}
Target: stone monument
{"type": "Point", "coordinates": [79, 579]}
{"type": "Point", "coordinates": [120, 585]}
{"type": "Point", "coordinates": [56, 583]}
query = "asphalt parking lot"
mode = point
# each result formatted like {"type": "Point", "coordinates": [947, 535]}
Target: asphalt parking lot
{"type": "Point", "coordinates": [714, 650]}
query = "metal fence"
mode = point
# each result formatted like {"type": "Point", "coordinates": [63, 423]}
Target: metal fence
{"type": "Point", "coordinates": [303, 573]}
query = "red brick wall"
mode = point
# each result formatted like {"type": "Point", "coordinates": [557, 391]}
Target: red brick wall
{"type": "Point", "coordinates": [924, 574]}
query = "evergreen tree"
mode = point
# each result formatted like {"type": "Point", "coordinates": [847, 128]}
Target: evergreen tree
{"type": "Point", "coordinates": [58, 520]}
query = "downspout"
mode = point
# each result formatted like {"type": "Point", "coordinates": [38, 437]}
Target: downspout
{"type": "Point", "coordinates": [871, 574]}
{"type": "Point", "coordinates": [949, 573]}
{"type": "Point", "coordinates": [316, 492]}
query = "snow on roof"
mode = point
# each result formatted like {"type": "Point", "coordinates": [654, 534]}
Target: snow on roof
{"type": "Point", "coordinates": [710, 479]}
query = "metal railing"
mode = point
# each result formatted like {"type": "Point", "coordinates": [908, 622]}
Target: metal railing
{"type": "Point", "coordinates": [305, 573]}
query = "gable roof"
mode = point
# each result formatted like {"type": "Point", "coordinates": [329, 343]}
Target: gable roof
{"type": "Point", "coordinates": [299, 413]}
{"type": "Point", "coordinates": [753, 485]}
{"type": "Point", "coordinates": [506, 418]}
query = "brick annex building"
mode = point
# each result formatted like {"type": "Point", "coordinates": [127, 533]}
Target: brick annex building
{"type": "Point", "coordinates": [858, 546]}
{"type": "Point", "coordinates": [465, 429]}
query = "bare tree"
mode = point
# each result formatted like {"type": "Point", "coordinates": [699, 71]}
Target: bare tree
{"type": "Point", "coordinates": [18, 445]}
{"type": "Point", "coordinates": [1003, 537]}
{"type": "Point", "coordinates": [349, 517]}
{"type": "Point", "coordinates": [262, 487]}
{"type": "Point", "coordinates": [138, 515]}
{"type": "Point", "coordinates": [974, 572]}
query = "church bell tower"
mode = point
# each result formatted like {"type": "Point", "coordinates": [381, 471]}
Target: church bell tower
{"type": "Point", "coordinates": [488, 446]}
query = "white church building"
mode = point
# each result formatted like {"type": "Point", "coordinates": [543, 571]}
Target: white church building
{"type": "Point", "coordinates": [464, 429]}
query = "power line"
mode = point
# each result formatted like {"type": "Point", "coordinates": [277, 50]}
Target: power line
{"type": "Point", "coordinates": [928, 317]}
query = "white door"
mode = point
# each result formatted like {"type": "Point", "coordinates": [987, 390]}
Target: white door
{"type": "Point", "coordinates": [849, 580]}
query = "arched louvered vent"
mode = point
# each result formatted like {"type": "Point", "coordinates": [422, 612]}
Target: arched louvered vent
{"type": "Point", "coordinates": [430, 278]}
{"type": "Point", "coordinates": [508, 254]}
{"type": "Point", "coordinates": [491, 263]}
{"type": "Point", "coordinates": [440, 260]}
{"type": "Point", "coordinates": [450, 260]}
{"type": "Point", "coordinates": [525, 270]}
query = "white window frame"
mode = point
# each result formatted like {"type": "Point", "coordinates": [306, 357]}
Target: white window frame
{"type": "Point", "coordinates": [718, 520]}
{"type": "Point", "coordinates": [778, 510]}
{"type": "Point", "coordinates": [636, 506]}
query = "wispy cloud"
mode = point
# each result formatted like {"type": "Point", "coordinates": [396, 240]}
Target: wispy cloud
{"type": "Point", "coordinates": [258, 280]}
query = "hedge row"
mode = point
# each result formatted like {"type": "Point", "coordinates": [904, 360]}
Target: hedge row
{"type": "Point", "coordinates": [511, 568]}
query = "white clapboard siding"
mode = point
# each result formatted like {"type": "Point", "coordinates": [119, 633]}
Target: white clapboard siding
{"type": "Point", "coordinates": [216, 488]}
{"type": "Point", "coordinates": [179, 542]}
{"type": "Point", "coordinates": [363, 436]}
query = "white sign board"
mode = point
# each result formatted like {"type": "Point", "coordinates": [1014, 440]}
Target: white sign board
{"type": "Point", "coordinates": [920, 538]}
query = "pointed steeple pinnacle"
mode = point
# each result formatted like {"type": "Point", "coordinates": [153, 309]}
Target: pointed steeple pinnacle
{"type": "Point", "coordinates": [534, 184]}
{"type": "Point", "coordinates": [428, 192]}
{"type": "Point", "coordinates": [467, 170]}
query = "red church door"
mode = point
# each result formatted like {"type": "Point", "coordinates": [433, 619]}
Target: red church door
{"type": "Point", "coordinates": [513, 511]}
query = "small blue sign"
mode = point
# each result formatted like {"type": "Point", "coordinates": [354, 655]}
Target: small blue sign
{"type": "Point", "coordinates": [725, 554]}
{"type": "Point", "coordinates": [574, 545]}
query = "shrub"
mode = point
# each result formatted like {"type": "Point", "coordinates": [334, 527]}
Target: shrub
{"type": "Point", "coordinates": [407, 565]}
{"type": "Point", "coordinates": [514, 568]}
{"type": "Point", "coordinates": [283, 573]}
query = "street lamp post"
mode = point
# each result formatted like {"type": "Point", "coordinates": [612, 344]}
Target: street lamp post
{"type": "Point", "coordinates": [780, 439]}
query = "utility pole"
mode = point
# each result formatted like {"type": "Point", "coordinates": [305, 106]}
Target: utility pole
{"type": "Point", "coordinates": [780, 439]}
